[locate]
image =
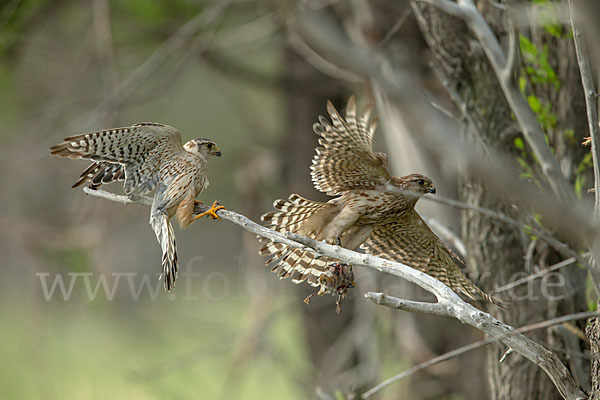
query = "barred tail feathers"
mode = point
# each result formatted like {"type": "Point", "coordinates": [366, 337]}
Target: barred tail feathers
{"type": "Point", "coordinates": [292, 213]}
{"type": "Point", "coordinates": [166, 237]}
{"type": "Point", "coordinates": [299, 265]}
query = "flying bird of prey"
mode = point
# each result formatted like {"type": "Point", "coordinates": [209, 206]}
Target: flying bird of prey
{"type": "Point", "coordinates": [372, 209]}
{"type": "Point", "coordinates": [149, 157]}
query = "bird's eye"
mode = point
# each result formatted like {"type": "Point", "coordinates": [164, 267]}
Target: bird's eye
{"type": "Point", "coordinates": [210, 145]}
{"type": "Point", "coordinates": [421, 182]}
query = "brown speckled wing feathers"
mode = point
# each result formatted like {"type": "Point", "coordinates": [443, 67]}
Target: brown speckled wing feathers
{"type": "Point", "coordinates": [345, 159]}
{"type": "Point", "coordinates": [414, 244]}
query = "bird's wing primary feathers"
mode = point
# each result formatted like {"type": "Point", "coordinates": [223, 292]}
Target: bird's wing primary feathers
{"type": "Point", "coordinates": [422, 250]}
{"type": "Point", "coordinates": [345, 160]}
{"type": "Point", "coordinates": [138, 148]}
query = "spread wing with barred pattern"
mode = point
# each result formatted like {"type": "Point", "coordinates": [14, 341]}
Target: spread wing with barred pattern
{"type": "Point", "coordinates": [345, 159]}
{"type": "Point", "coordinates": [138, 149]}
{"type": "Point", "coordinates": [414, 244]}
{"type": "Point", "coordinates": [148, 156]}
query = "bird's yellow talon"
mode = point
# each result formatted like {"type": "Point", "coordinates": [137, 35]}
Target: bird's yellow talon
{"type": "Point", "coordinates": [212, 211]}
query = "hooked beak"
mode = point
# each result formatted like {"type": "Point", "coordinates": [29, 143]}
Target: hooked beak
{"type": "Point", "coordinates": [217, 152]}
{"type": "Point", "coordinates": [431, 190]}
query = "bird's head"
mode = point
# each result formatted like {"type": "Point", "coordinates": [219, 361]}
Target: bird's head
{"type": "Point", "coordinates": [204, 148]}
{"type": "Point", "coordinates": [415, 183]}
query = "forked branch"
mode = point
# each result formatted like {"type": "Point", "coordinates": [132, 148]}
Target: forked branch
{"type": "Point", "coordinates": [448, 303]}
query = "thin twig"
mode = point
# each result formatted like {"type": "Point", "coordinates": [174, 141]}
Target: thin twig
{"type": "Point", "coordinates": [513, 47]}
{"type": "Point", "coordinates": [396, 27]}
{"type": "Point", "coordinates": [537, 275]}
{"type": "Point", "coordinates": [319, 62]}
{"type": "Point", "coordinates": [591, 102]}
{"type": "Point", "coordinates": [529, 256]}
{"type": "Point", "coordinates": [591, 105]}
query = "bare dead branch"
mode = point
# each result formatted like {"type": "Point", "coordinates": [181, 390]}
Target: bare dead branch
{"type": "Point", "coordinates": [537, 275]}
{"type": "Point", "coordinates": [321, 64]}
{"type": "Point", "coordinates": [396, 27]}
{"type": "Point", "coordinates": [448, 303]}
{"type": "Point", "coordinates": [591, 101]}
{"type": "Point", "coordinates": [513, 47]}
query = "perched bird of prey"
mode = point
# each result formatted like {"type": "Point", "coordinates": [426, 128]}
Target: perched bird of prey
{"type": "Point", "coordinates": [372, 209]}
{"type": "Point", "coordinates": [149, 157]}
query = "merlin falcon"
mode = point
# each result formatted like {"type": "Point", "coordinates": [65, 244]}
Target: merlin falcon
{"type": "Point", "coordinates": [371, 209]}
{"type": "Point", "coordinates": [149, 157]}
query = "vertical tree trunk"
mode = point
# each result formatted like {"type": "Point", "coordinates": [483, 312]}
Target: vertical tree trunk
{"type": "Point", "coordinates": [495, 250]}
{"type": "Point", "coordinates": [593, 333]}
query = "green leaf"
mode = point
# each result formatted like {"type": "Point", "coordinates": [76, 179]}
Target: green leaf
{"type": "Point", "coordinates": [339, 395]}
{"type": "Point", "coordinates": [554, 30]}
{"type": "Point", "coordinates": [522, 84]}
{"type": "Point", "coordinates": [527, 48]}
{"type": "Point", "coordinates": [534, 103]}
{"type": "Point", "coordinates": [592, 301]}
{"type": "Point", "coordinates": [519, 143]}
{"type": "Point", "coordinates": [579, 184]}
{"type": "Point", "coordinates": [585, 163]}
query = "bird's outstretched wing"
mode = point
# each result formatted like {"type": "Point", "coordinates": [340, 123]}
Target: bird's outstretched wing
{"type": "Point", "coordinates": [345, 160]}
{"type": "Point", "coordinates": [138, 148]}
{"type": "Point", "coordinates": [415, 245]}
